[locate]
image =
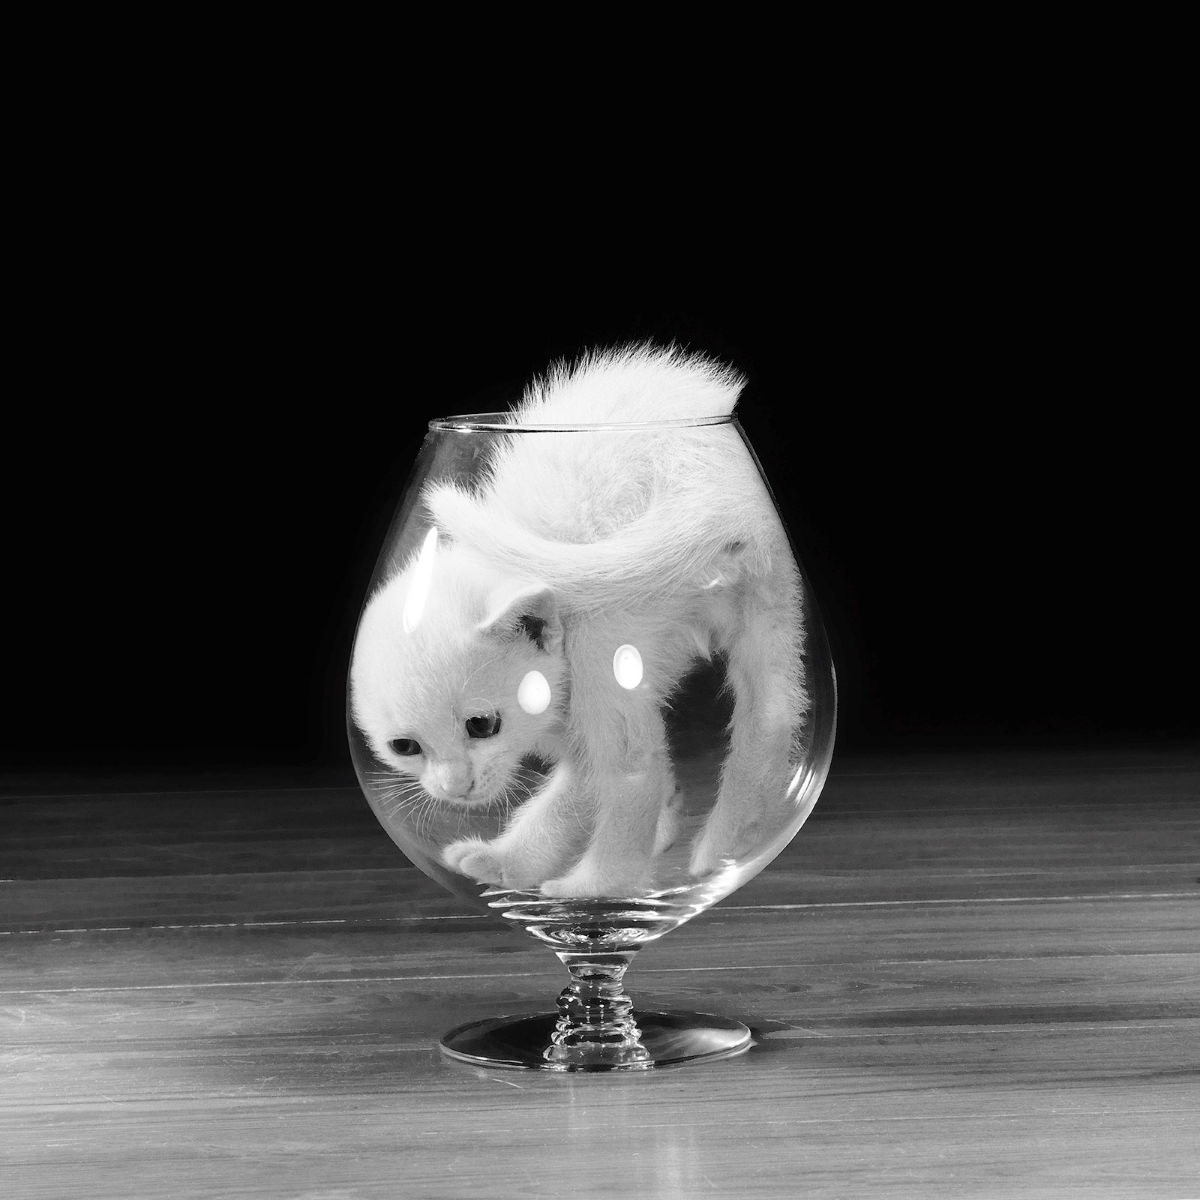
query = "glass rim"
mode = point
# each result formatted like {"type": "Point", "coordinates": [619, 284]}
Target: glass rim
{"type": "Point", "coordinates": [500, 422]}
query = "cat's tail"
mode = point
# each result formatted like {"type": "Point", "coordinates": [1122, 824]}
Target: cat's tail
{"type": "Point", "coordinates": [633, 383]}
{"type": "Point", "coordinates": [658, 552]}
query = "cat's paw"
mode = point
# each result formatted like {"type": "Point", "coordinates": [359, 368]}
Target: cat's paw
{"type": "Point", "coordinates": [706, 858]}
{"type": "Point", "coordinates": [498, 862]}
{"type": "Point", "coordinates": [585, 882]}
{"type": "Point", "coordinates": [721, 845]}
{"type": "Point", "coordinates": [476, 858]}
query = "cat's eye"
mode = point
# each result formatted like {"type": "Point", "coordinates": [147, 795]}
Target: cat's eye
{"type": "Point", "coordinates": [404, 746]}
{"type": "Point", "coordinates": [483, 727]}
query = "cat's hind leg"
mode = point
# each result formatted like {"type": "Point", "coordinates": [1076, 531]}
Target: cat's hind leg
{"type": "Point", "coordinates": [634, 819]}
{"type": "Point", "coordinates": [764, 668]}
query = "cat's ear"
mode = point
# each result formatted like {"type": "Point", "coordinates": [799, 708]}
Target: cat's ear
{"type": "Point", "coordinates": [524, 610]}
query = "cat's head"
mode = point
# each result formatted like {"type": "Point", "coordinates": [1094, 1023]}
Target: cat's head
{"type": "Point", "coordinates": [458, 675]}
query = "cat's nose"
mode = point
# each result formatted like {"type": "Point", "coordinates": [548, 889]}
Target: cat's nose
{"type": "Point", "coordinates": [454, 779]}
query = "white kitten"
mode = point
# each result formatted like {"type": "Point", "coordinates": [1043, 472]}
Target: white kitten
{"type": "Point", "coordinates": [575, 545]}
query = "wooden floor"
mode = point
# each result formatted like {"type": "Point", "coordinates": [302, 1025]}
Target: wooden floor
{"type": "Point", "coordinates": [966, 977]}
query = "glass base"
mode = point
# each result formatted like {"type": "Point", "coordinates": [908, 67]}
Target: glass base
{"type": "Point", "coordinates": [663, 1038]}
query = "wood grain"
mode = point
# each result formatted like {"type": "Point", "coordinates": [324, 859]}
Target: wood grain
{"type": "Point", "coordinates": [967, 977]}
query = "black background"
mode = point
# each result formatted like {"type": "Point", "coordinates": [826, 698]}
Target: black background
{"type": "Point", "coordinates": [966, 414]}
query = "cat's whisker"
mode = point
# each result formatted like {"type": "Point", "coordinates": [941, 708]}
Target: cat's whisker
{"type": "Point", "coordinates": [408, 809]}
{"type": "Point", "coordinates": [462, 818]}
{"type": "Point", "coordinates": [401, 808]}
{"type": "Point", "coordinates": [391, 783]}
{"type": "Point", "coordinates": [430, 813]}
{"type": "Point", "coordinates": [399, 787]}
{"type": "Point", "coordinates": [404, 800]}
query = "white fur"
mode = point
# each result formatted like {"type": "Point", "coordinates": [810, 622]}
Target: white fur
{"type": "Point", "coordinates": [656, 536]}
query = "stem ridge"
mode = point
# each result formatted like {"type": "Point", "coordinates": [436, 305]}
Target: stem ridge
{"type": "Point", "coordinates": [596, 1027]}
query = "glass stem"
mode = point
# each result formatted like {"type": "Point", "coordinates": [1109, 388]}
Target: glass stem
{"type": "Point", "coordinates": [596, 1029]}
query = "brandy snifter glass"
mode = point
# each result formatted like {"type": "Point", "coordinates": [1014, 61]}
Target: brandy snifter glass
{"type": "Point", "coordinates": [594, 768]}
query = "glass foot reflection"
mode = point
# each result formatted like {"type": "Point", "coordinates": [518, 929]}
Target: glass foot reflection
{"type": "Point", "coordinates": [534, 1042]}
